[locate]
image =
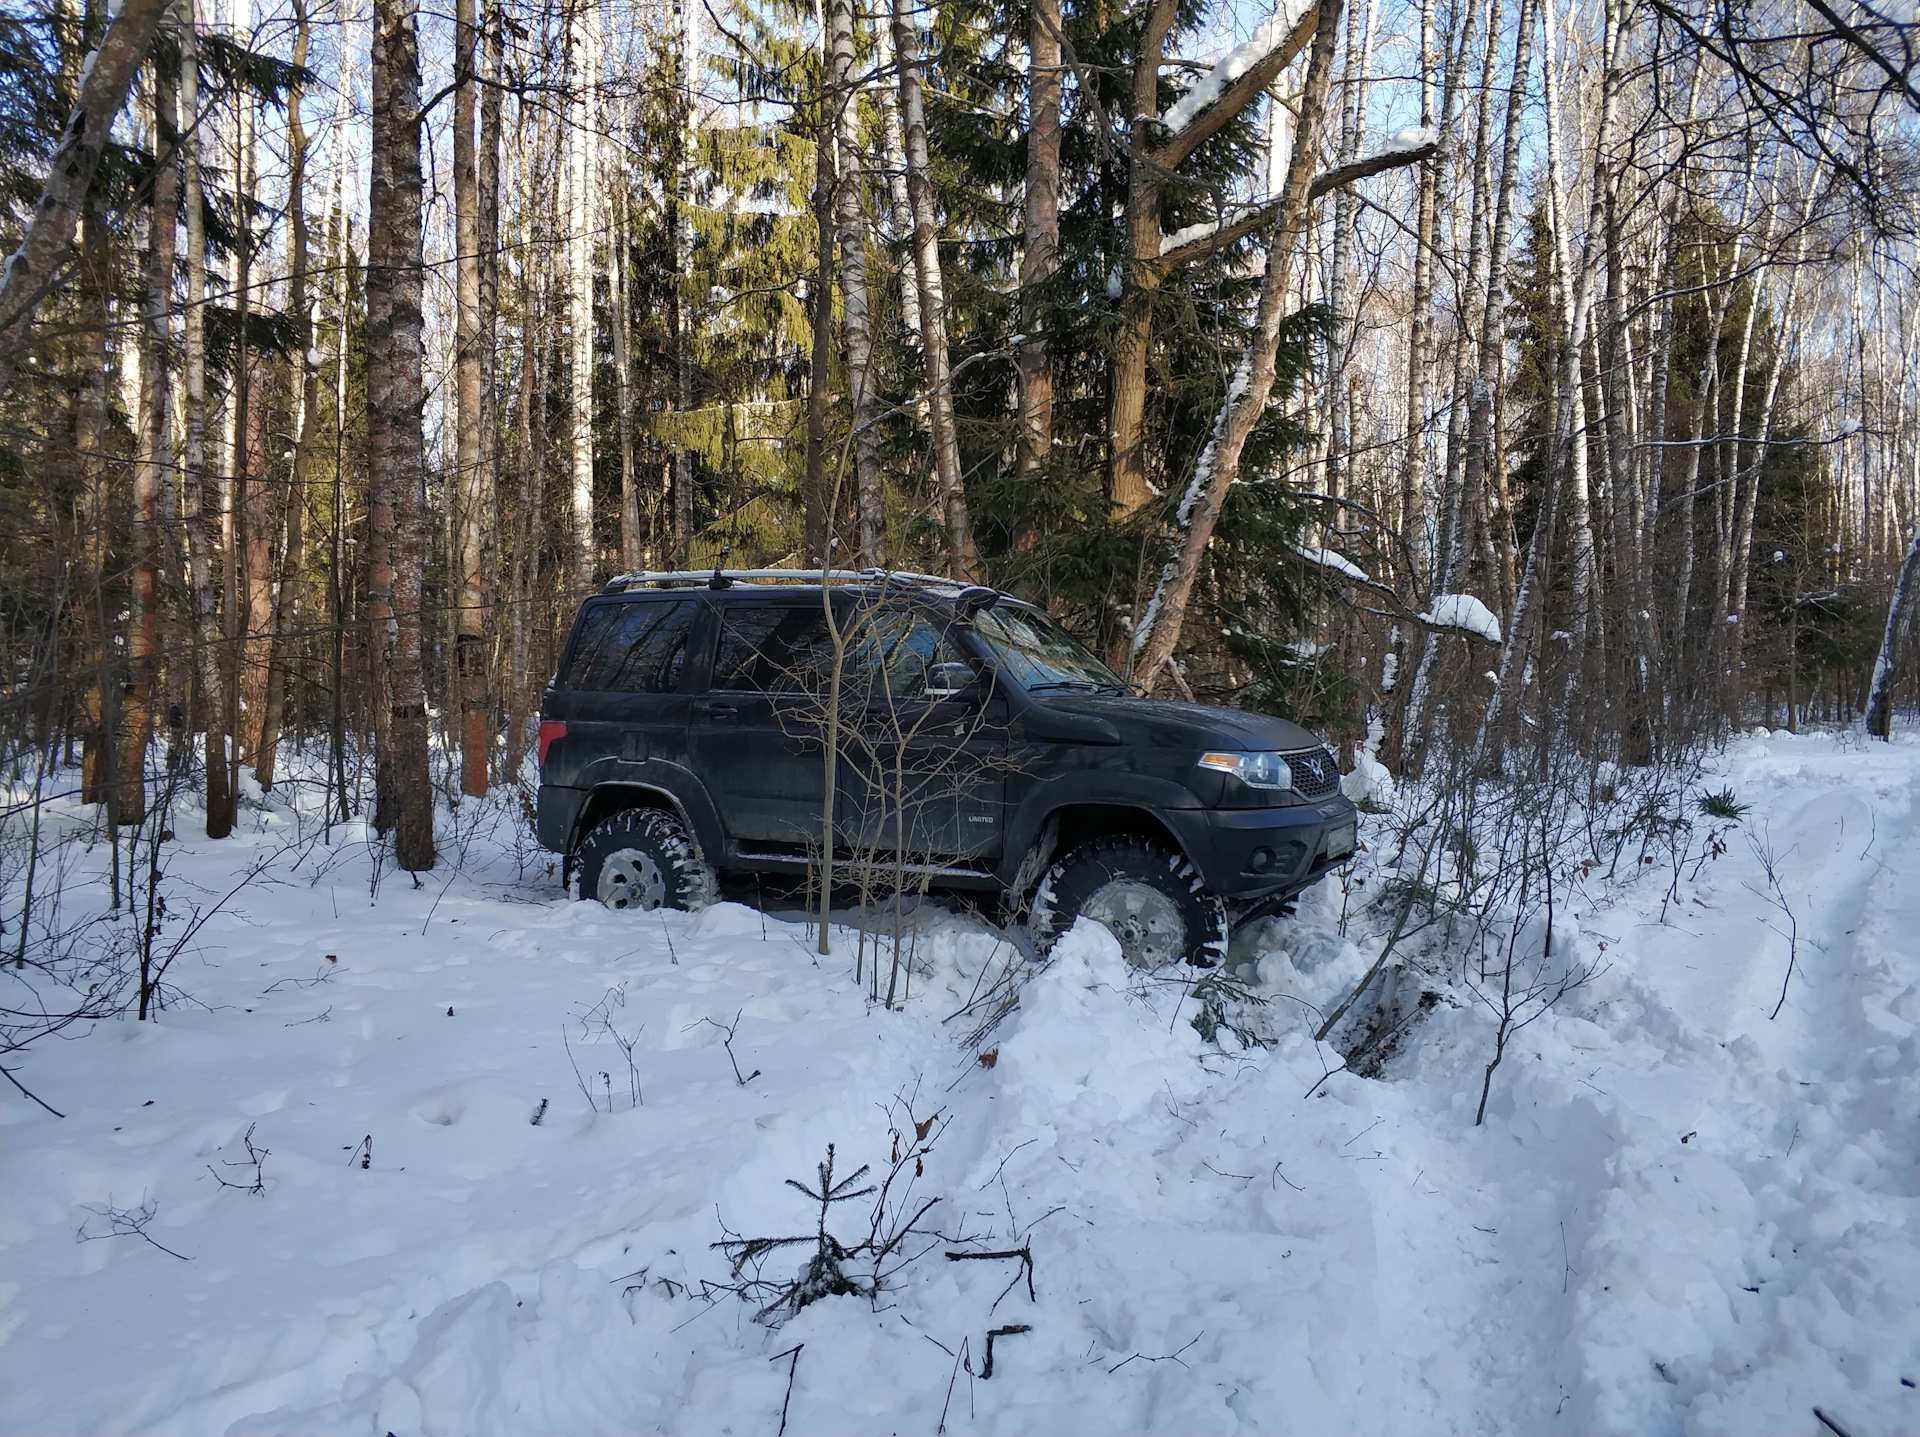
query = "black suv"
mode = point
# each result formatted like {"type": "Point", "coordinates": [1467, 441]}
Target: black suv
{"type": "Point", "coordinates": [979, 746]}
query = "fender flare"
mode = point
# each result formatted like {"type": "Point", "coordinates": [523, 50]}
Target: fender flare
{"type": "Point", "coordinates": [685, 795]}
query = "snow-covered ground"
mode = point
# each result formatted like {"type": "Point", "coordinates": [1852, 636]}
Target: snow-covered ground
{"type": "Point", "coordinates": [1680, 1216]}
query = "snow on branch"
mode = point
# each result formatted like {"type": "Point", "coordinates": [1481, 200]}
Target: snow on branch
{"type": "Point", "coordinates": [1414, 137]}
{"type": "Point", "coordinates": [1408, 147]}
{"type": "Point", "coordinates": [1269, 37]}
{"type": "Point", "coordinates": [1465, 613]}
{"type": "Point", "coordinates": [1339, 563]}
{"type": "Point", "coordinates": [1191, 235]}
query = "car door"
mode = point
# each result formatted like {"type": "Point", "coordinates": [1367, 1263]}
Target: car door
{"type": "Point", "coordinates": [623, 683]}
{"type": "Point", "coordinates": [923, 762]}
{"type": "Point", "coordinates": [757, 731]}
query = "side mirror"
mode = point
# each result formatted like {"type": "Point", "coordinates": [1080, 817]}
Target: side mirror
{"type": "Point", "coordinates": [952, 681]}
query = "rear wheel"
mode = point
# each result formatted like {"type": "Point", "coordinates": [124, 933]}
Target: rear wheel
{"type": "Point", "coordinates": [643, 858]}
{"type": "Point", "coordinates": [1150, 898]}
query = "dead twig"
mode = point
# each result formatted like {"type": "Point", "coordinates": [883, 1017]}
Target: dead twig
{"type": "Point", "coordinates": [792, 1367]}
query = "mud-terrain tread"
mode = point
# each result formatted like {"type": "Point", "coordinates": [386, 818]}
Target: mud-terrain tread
{"type": "Point", "coordinates": [690, 880]}
{"type": "Point", "coordinates": [1075, 878]}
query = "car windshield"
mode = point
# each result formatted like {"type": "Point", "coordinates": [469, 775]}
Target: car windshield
{"type": "Point", "coordinates": [1038, 654]}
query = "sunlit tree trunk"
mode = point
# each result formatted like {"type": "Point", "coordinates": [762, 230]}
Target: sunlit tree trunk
{"type": "Point", "coordinates": [32, 269]}
{"type": "Point", "coordinates": [396, 452]}
{"type": "Point", "coordinates": [1248, 395]}
{"type": "Point", "coordinates": [893, 150]}
{"type": "Point", "coordinates": [306, 383]}
{"type": "Point", "coordinates": [1041, 257]}
{"type": "Point", "coordinates": [962, 560]}
{"type": "Point", "coordinates": [818, 519]}
{"type": "Point", "coordinates": [583, 219]}
{"type": "Point", "coordinates": [206, 629]}
{"type": "Point", "coordinates": [851, 224]}
{"type": "Point", "coordinates": [154, 454]}
{"type": "Point", "coordinates": [473, 442]}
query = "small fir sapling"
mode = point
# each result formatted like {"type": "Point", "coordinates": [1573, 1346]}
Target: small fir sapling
{"type": "Point", "coordinates": [894, 1237]}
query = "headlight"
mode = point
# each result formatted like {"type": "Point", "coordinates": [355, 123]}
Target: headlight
{"type": "Point", "coordinates": [1255, 770]}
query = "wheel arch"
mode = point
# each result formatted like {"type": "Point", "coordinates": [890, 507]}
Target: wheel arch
{"type": "Point", "coordinates": [604, 800]}
{"type": "Point", "coordinates": [1068, 825]}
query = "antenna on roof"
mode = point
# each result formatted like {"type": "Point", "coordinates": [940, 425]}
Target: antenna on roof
{"type": "Point", "coordinates": [720, 580]}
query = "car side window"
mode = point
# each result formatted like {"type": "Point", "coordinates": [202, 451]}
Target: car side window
{"type": "Point", "coordinates": [634, 647]}
{"type": "Point", "coordinates": [901, 650]}
{"type": "Point", "coordinates": [773, 649]}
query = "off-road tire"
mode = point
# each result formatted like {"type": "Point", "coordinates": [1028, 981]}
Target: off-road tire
{"type": "Point", "coordinates": [1178, 896]}
{"type": "Point", "coordinates": [643, 858]}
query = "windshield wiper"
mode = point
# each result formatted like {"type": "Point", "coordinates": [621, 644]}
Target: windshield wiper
{"type": "Point", "coordinates": [1079, 685]}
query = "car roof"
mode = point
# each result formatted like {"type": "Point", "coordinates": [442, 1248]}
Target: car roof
{"type": "Point", "coordinates": [863, 580]}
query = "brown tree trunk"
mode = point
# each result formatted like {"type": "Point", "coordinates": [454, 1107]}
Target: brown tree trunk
{"type": "Point", "coordinates": [473, 358]}
{"type": "Point", "coordinates": [477, 701]}
{"type": "Point", "coordinates": [1041, 257]}
{"type": "Point", "coordinates": [1127, 487]}
{"type": "Point", "coordinates": [1247, 397]}
{"type": "Point", "coordinates": [620, 285]}
{"type": "Point", "coordinates": [154, 454]}
{"type": "Point", "coordinates": [396, 453]}
{"type": "Point", "coordinates": [33, 269]}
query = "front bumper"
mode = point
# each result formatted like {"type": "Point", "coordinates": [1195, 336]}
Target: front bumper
{"type": "Point", "coordinates": [1247, 854]}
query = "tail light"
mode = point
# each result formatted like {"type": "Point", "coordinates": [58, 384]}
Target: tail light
{"type": "Point", "coordinates": [550, 729]}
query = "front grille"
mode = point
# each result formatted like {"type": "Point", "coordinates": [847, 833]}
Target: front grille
{"type": "Point", "coordinates": [1315, 774]}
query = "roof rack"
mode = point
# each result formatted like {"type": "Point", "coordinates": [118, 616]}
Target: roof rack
{"type": "Point", "coordinates": [726, 578]}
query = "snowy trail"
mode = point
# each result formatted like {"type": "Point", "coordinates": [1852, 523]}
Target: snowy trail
{"type": "Point", "coordinates": [1214, 1249]}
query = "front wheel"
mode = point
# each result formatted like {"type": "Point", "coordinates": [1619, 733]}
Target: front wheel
{"type": "Point", "coordinates": [1150, 898]}
{"type": "Point", "coordinates": [643, 858]}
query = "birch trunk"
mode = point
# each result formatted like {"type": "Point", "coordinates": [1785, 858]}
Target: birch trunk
{"type": "Point", "coordinates": [1567, 440]}
{"type": "Point", "coordinates": [1457, 508]}
{"type": "Point", "coordinates": [962, 561]}
{"type": "Point", "coordinates": [681, 221]}
{"type": "Point", "coordinates": [850, 214]}
{"type": "Point", "coordinates": [818, 517]}
{"type": "Point", "coordinates": [1413, 450]}
{"type": "Point", "coordinates": [306, 382]}
{"type": "Point", "coordinates": [1880, 692]}
{"type": "Point", "coordinates": [1706, 388]}
{"type": "Point", "coordinates": [206, 629]}
{"type": "Point", "coordinates": [893, 147]}
{"type": "Point", "coordinates": [1353, 114]}
{"type": "Point", "coordinates": [582, 171]}
{"type": "Point", "coordinates": [155, 454]}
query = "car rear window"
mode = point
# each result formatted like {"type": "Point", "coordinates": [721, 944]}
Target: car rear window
{"type": "Point", "coordinates": [639, 646]}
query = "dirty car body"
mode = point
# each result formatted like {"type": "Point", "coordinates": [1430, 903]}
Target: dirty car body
{"type": "Point", "coordinates": [1008, 747]}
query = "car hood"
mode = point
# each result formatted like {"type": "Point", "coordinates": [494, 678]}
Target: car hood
{"type": "Point", "coordinates": [1177, 725]}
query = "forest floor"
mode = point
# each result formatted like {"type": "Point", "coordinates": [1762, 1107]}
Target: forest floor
{"type": "Point", "coordinates": [1681, 1215]}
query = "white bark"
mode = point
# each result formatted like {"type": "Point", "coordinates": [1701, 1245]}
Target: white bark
{"type": "Point", "coordinates": [583, 170]}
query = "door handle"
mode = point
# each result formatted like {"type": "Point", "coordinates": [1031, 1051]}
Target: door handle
{"type": "Point", "coordinates": [719, 712]}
